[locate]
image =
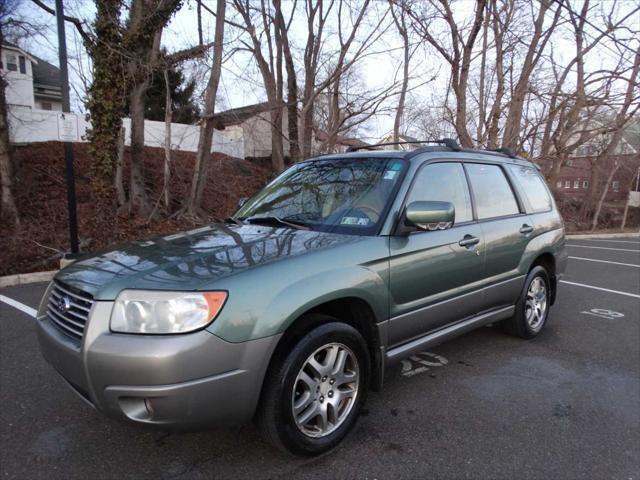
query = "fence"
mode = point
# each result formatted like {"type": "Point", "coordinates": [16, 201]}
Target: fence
{"type": "Point", "coordinates": [32, 125]}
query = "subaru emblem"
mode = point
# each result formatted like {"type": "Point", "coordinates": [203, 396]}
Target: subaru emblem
{"type": "Point", "coordinates": [64, 304]}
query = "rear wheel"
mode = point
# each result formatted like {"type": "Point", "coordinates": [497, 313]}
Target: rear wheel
{"type": "Point", "coordinates": [532, 308]}
{"type": "Point", "coordinates": [314, 393]}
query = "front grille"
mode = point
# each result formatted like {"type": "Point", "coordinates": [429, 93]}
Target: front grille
{"type": "Point", "coordinates": [68, 309]}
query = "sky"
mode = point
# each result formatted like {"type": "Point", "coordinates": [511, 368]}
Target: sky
{"type": "Point", "coordinates": [241, 83]}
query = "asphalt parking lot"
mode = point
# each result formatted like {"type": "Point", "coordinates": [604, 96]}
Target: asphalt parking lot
{"type": "Point", "coordinates": [564, 405]}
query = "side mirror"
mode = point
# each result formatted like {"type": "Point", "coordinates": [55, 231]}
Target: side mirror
{"type": "Point", "coordinates": [430, 215]}
{"type": "Point", "coordinates": [242, 201]}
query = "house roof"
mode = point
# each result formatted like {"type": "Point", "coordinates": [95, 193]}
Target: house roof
{"type": "Point", "coordinates": [401, 138]}
{"type": "Point", "coordinates": [236, 116]}
{"type": "Point", "coordinates": [13, 46]}
{"type": "Point", "coordinates": [45, 74]}
{"type": "Point", "coordinates": [321, 135]}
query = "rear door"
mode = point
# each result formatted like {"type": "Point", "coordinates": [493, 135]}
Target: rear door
{"type": "Point", "coordinates": [435, 275]}
{"type": "Point", "coordinates": [506, 228]}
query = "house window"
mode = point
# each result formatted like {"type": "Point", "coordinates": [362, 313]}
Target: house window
{"type": "Point", "coordinates": [615, 185]}
{"type": "Point", "coordinates": [46, 106]}
{"type": "Point", "coordinates": [567, 184]}
{"type": "Point", "coordinates": [23, 64]}
{"type": "Point", "coordinates": [559, 184]}
{"type": "Point", "coordinates": [585, 184]}
{"type": "Point", "coordinates": [12, 63]}
{"type": "Point", "coordinates": [576, 184]}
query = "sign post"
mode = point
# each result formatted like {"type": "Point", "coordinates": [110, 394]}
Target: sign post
{"type": "Point", "coordinates": [67, 131]}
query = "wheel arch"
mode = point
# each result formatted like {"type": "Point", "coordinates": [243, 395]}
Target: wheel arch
{"type": "Point", "coordinates": [548, 262]}
{"type": "Point", "coordinates": [352, 310]}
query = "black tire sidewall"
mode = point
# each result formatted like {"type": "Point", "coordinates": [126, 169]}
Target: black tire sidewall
{"type": "Point", "coordinates": [291, 437]}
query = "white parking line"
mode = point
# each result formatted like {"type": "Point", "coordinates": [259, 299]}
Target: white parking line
{"type": "Point", "coordinates": [606, 261]}
{"type": "Point", "coordinates": [600, 288]}
{"type": "Point", "coordinates": [606, 248]}
{"type": "Point", "coordinates": [32, 312]}
{"type": "Point", "coordinates": [613, 241]}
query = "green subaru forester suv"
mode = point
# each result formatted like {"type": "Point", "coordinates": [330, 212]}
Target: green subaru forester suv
{"type": "Point", "coordinates": [289, 312]}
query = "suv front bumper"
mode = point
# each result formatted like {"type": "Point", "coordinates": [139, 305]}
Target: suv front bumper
{"type": "Point", "coordinates": [191, 381]}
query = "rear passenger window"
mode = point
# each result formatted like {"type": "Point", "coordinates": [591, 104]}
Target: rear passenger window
{"type": "Point", "coordinates": [444, 182]}
{"type": "Point", "coordinates": [533, 186]}
{"type": "Point", "coordinates": [491, 191]}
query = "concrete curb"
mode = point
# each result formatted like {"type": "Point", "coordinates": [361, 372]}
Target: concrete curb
{"type": "Point", "coordinates": [24, 278]}
{"type": "Point", "coordinates": [603, 236]}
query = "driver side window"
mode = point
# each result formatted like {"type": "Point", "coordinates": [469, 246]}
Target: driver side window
{"type": "Point", "coordinates": [444, 182]}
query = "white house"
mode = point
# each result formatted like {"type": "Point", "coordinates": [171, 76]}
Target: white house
{"type": "Point", "coordinates": [32, 83]}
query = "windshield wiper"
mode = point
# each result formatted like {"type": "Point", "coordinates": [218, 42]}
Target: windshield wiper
{"type": "Point", "coordinates": [233, 220]}
{"type": "Point", "coordinates": [277, 221]}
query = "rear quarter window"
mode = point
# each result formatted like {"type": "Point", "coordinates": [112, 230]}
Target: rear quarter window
{"type": "Point", "coordinates": [532, 185]}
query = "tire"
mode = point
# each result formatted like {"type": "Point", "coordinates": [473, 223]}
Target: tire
{"type": "Point", "coordinates": [532, 308]}
{"type": "Point", "coordinates": [286, 385]}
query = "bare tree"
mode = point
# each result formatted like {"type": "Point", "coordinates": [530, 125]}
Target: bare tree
{"type": "Point", "coordinates": [629, 108]}
{"type": "Point", "coordinates": [401, 25]}
{"type": "Point", "coordinates": [458, 55]}
{"type": "Point", "coordinates": [269, 64]}
{"type": "Point", "coordinates": [203, 154]}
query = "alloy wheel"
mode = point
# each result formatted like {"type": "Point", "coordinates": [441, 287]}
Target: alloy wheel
{"type": "Point", "coordinates": [325, 390]}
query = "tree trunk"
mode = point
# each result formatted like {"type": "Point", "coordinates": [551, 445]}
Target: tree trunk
{"type": "Point", "coordinates": [399, 20]}
{"type": "Point", "coordinates": [168, 117]}
{"type": "Point", "coordinates": [537, 44]}
{"type": "Point", "coordinates": [596, 215]}
{"type": "Point", "coordinates": [121, 197]}
{"type": "Point", "coordinates": [8, 207]}
{"type": "Point", "coordinates": [138, 198]}
{"type": "Point", "coordinates": [106, 98]}
{"type": "Point", "coordinates": [292, 87]}
{"type": "Point", "coordinates": [203, 154]}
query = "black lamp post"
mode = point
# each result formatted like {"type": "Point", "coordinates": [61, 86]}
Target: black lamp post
{"type": "Point", "coordinates": [68, 147]}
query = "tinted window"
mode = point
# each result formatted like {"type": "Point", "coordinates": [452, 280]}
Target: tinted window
{"type": "Point", "coordinates": [444, 182]}
{"type": "Point", "coordinates": [533, 187]}
{"type": "Point", "coordinates": [491, 190]}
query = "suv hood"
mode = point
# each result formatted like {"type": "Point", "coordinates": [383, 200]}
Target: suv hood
{"type": "Point", "coordinates": [189, 260]}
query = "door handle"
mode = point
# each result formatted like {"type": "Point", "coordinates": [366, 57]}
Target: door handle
{"type": "Point", "coordinates": [469, 241]}
{"type": "Point", "coordinates": [526, 229]}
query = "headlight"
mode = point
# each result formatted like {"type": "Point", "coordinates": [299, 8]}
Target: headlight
{"type": "Point", "coordinates": [158, 312]}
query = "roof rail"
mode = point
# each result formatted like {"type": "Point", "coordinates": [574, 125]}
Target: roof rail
{"type": "Point", "coordinates": [447, 142]}
{"type": "Point", "coordinates": [507, 151]}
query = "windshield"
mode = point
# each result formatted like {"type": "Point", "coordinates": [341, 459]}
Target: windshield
{"type": "Point", "coordinates": [341, 195]}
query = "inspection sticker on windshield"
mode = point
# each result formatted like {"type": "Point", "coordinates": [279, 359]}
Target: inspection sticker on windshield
{"type": "Point", "coordinates": [354, 221]}
{"type": "Point", "coordinates": [389, 175]}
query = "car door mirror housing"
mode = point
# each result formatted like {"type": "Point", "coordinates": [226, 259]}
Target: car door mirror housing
{"type": "Point", "coordinates": [429, 215]}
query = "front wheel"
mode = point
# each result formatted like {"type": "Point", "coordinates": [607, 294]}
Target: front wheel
{"type": "Point", "coordinates": [532, 308]}
{"type": "Point", "coordinates": [314, 394]}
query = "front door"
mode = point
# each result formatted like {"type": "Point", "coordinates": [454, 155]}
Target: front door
{"type": "Point", "coordinates": [435, 276]}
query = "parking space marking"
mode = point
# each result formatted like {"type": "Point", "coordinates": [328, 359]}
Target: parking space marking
{"type": "Point", "coordinates": [604, 313]}
{"type": "Point", "coordinates": [606, 261]}
{"type": "Point", "coordinates": [612, 241]}
{"type": "Point", "coordinates": [605, 248]}
{"type": "Point", "coordinates": [601, 289]}
{"type": "Point", "coordinates": [32, 312]}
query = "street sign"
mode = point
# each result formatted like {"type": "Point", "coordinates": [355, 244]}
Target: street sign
{"type": "Point", "coordinates": [67, 127]}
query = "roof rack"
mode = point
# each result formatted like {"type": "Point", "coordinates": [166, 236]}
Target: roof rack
{"type": "Point", "coordinates": [447, 142]}
{"type": "Point", "coordinates": [507, 151]}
